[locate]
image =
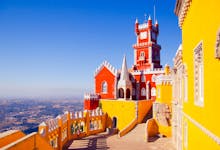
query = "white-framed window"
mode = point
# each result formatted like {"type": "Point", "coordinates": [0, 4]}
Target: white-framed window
{"type": "Point", "coordinates": [198, 75]}
{"type": "Point", "coordinates": [104, 87]}
{"type": "Point", "coordinates": [185, 134]}
{"type": "Point", "coordinates": [143, 92]}
{"type": "Point", "coordinates": [153, 91]}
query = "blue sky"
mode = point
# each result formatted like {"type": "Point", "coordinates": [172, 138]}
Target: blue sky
{"type": "Point", "coordinates": [51, 48]}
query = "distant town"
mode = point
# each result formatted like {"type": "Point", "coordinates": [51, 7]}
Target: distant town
{"type": "Point", "coordinates": [27, 114]}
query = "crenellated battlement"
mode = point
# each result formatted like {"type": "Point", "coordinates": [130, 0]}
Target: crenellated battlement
{"type": "Point", "coordinates": [91, 101]}
{"type": "Point", "coordinates": [148, 71]}
{"type": "Point", "coordinates": [164, 80]}
{"type": "Point", "coordinates": [106, 64]}
{"type": "Point", "coordinates": [91, 96]}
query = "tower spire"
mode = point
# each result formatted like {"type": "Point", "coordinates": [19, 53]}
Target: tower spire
{"type": "Point", "coordinates": [154, 11]}
{"type": "Point", "coordinates": [124, 70]}
{"type": "Point", "coordinates": [124, 82]}
{"type": "Point", "coordinates": [136, 21]}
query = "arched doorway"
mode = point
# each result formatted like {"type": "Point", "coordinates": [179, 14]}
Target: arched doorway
{"type": "Point", "coordinates": [121, 93]}
{"type": "Point", "coordinates": [128, 93]}
{"type": "Point", "coordinates": [114, 122]}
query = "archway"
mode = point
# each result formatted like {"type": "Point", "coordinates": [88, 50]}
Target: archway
{"type": "Point", "coordinates": [128, 93]}
{"type": "Point", "coordinates": [121, 93]}
{"type": "Point", "coordinates": [114, 122]}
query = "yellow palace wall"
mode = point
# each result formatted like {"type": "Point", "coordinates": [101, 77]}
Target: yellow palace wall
{"type": "Point", "coordinates": [165, 97]}
{"type": "Point", "coordinates": [126, 111]}
{"type": "Point", "coordinates": [201, 23]}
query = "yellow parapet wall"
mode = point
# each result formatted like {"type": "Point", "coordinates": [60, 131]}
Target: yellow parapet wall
{"type": "Point", "coordinates": [151, 129]}
{"type": "Point", "coordinates": [31, 141]}
{"type": "Point", "coordinates": [10, 136]}
{"type": "Point", "coordinates": [123, 111]}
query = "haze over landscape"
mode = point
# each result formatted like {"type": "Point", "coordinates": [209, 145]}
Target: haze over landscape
{"type": "Point", "coordinates": [52, 48]}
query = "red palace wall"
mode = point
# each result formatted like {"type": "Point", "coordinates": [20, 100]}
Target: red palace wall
{"type": "Point", "coordinates": [91, 104]}
{"type": "Point", "coordinates": [148, 77]}
{"type": "Point", "coordinates": [105, 75]}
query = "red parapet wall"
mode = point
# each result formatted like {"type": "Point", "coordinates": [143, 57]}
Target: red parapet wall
{"type": "Point", "coordinates": [91, 104]}
{"type": "Point", "coordinates": [91, 101]}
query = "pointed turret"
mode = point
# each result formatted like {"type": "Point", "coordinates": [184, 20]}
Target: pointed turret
{"type": "Point", "coordinates": [149, 22]}
{"type": "Point", "coordinates": [136, 27]}
{"type": "Point", "coordinates": [136, 21]}
{"type": "Point", "coordinates": [156, 24]}
{"type": "Point", "coordinates": [149, 18]}
{"type": "Point", "coordinates": [124, 70]}
{"type": "Point", "coordinates": [124, 83]}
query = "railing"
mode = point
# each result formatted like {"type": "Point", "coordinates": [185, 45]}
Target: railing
{"type": "Point", "coordinates": [72, 125]}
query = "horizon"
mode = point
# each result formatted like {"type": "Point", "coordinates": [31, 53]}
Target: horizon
{"type": "Point", "coordinates": [52, 48]}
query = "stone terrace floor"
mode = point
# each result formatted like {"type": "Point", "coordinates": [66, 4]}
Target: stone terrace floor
{"type": "Point", "coordinates": [133, 140]}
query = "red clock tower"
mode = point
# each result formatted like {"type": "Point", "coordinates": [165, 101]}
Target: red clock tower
{"type": "Point", "coordinates": [138, 82]}
{"type": "Point", "coordinates": [146, 50]}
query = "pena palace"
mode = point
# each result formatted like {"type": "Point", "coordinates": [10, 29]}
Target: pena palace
{"type": "Point", "coordinates": [178, 105]}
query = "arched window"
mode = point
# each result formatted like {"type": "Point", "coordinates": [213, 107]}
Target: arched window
{"type": "Point", "coordinates": [143, 92]}
{"type": "Point", "coordinates": [153, 91]}
{"type": "Point", "coordinates": [142, 56]}
{"type": "Point", "coordinates": [104, 87]}
{"type": "Point", "coordinates": [128, 93]}
{"type": "Point", "coordinates": [121, 93]}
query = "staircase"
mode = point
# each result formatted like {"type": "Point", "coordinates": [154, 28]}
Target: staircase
{"type": "Point", "coordinates": [148, 115]}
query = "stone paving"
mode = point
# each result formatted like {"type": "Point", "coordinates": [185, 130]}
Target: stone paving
{"type": "Point", "coordinates": [133, 140]}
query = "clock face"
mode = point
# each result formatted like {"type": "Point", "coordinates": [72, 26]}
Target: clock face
{"type": "Point", "coordinates": [143, 35]}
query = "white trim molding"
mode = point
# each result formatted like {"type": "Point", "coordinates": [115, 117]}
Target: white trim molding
{"type": "Point", "coordinates": [211, 135]}
{"type": "Point", "coordinates": [198, 56]}
{"type": "Point", "coordinates": [181, 9]}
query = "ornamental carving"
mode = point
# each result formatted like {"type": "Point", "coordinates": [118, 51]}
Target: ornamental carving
{"type": "Point", "coordinates": [162, 113]}
{"type": "Point", "coordinates": [217, 48]}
